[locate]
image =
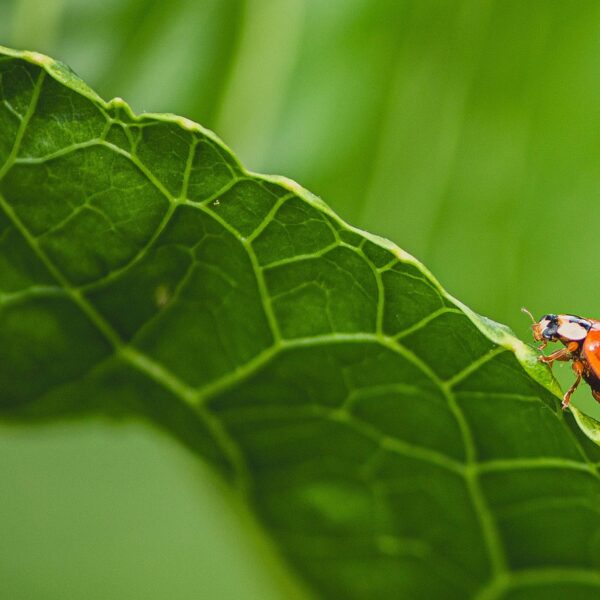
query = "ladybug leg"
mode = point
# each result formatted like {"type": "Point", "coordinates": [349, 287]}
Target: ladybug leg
{"type": "Point", "coordinates": [562, 354]}
{"type": "Point", "coordinates": [578, 369]}
{"type": "Point", "coordinates": [596, 395]}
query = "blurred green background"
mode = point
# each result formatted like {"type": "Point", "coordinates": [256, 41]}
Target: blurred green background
{"type": "Point", "coordinates": [466, 131]}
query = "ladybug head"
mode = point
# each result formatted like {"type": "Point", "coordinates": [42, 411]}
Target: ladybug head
{"type": "Point", "coordinates": [563, 328]}
{"type": "Point", "coordinates": [546, 328]}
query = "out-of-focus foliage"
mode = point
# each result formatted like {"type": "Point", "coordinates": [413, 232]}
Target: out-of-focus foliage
{"type": "Point", "coordinates": [465, 131]}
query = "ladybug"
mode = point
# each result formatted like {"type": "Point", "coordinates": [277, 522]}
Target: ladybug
{"type": "Point", "coordinates": [581, 338]}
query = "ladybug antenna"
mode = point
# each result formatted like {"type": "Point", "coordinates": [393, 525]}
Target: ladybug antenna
{"type": "Point", "coordinates": [527, 312]}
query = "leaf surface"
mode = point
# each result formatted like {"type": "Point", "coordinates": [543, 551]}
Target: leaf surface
{"type": "Point", "coordinates": [390, 441]}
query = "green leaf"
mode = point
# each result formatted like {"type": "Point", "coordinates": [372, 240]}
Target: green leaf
{"type": "Point", "coordinates": [391, 442]}
{"type": "Point", "coordinates": [587, 424]}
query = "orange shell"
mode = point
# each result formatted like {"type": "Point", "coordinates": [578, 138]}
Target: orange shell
{"type": "Point", "coordinates": [591, 350]}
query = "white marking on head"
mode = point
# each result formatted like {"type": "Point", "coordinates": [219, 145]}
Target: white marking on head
{"type": "Point", "coordinates": [543, 324]}
{"type": "Point", "coordinates": [572, 331]}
